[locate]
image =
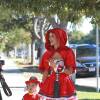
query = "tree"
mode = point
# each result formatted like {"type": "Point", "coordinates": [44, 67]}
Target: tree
{"type": "Point", "coordinates": [67, 10]}
{"type": "Point", "coordinates": [57, 12]}
{"type": "Point", "coordinates": [91, 37]}
{"type": "Point", "coordinates": [75, 37]}
{"type": "Point", "coordinates": [13, 38]}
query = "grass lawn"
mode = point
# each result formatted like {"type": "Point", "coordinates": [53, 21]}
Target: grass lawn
{"type": "Point", "coordinates": [87, 93]}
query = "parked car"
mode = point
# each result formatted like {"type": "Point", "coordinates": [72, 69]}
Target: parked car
{"type": "Point", "coordinates": [86, 56]}
{"type": "Point", "coordinates": [91, 65]}
{"type": "Point", "coordinates": [83, 70]}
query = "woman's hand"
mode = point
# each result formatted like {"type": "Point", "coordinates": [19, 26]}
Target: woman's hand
{"type": "Point", "coordinates": [52, 64]}
{"type": "Point", "coordinates": [45, 75]}
{"type": "Point", "coordinates": [68, 71]}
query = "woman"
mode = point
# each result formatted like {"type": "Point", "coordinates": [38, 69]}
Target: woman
{"type": "Point", "coordinates": [57, 64]}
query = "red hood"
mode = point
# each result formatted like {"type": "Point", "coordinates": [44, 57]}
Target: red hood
{"type": "Point", "coordinates": [61, 36]}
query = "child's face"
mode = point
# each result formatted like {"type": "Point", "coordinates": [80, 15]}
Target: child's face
{"type": "Point", "coordinates": [32, 87]}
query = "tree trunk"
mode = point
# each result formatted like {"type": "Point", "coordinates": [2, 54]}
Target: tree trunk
{"type": "Point", "coordinates": [32, 55]}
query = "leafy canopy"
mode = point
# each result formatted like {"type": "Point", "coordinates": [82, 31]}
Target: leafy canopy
{"type": "Point", "coordinates": [67, 10]}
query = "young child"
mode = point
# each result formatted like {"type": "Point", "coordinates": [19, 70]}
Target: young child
{"type": "Point", "coordinates": [31, 87]}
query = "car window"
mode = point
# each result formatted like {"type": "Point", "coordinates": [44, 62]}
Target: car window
{"type": "Point", "coordinates": [79, 64]}
{"type": "Point", "coordinates": [86, 51]}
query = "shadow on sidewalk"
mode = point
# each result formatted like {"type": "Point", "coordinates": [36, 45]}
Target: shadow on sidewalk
{"type": "Point", "coordinates": [33, 69]}
{"type": "Point", "coordinates": [85, 88]}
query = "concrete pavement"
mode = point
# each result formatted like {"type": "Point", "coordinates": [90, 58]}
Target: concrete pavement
{"type": "Point", "coordinates": [14, 79]}
{"type": "Point", "coordinates": [88, 82]}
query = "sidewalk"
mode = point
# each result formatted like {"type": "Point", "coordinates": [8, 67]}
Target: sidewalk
{"type": "Point", "coordinates": [14, 79]}
{"type": "Point", "coordinates": [90, 82]}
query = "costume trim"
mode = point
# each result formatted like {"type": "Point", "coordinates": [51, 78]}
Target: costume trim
{"type": "Point", "coordinates": [74, 94]}
{"type": "Point", "coordinates": [73, 97]}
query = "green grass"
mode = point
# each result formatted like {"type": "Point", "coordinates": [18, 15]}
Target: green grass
{"type": "Point", "coordinates": [87, 93]}
{"type": "Point", "coordinates": [88, 96]}
{"type": "Point", "coordinates": [21, 60]}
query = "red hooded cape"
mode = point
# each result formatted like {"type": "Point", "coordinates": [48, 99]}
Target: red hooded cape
{"type": "Point", "coordinates": [66, 53]}
{"type": "Point", "coordinates": [27, 96]}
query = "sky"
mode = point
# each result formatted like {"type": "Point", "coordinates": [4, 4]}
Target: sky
{"type": "Point", "coordinates": [86, 26]}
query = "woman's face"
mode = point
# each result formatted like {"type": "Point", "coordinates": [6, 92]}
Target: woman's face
{"type": "Point", "coordinates": [53, 40]}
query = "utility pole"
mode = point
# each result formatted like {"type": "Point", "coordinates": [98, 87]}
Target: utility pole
{"type": "Point", "coordinates": [97, 56]}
